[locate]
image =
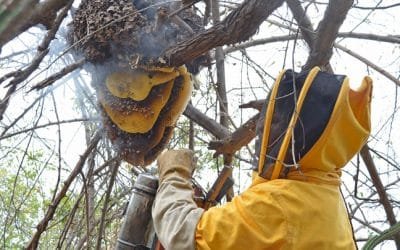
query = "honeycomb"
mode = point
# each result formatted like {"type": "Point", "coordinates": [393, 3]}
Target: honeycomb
{"type": "Point", "coordinates": [139, 104]}
{"type": "Point", "coordinates": [143, 133]}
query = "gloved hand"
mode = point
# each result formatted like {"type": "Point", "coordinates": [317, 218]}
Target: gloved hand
{"type": "Point", "coordinates": [181, 162]}
{"type": "Point", "coordinates": [175, 214]}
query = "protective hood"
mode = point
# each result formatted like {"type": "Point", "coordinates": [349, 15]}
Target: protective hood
{"type": "Point", "coordinates": [327, 121]}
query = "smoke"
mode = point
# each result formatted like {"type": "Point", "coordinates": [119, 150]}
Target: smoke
{"type": "Point", "coordinates": [121, 33]}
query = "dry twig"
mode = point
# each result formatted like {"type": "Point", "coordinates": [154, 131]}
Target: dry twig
{"type": "Point", "coordinates": [41, 227]}
{"type": "Point", "coordinates": [42, 51]}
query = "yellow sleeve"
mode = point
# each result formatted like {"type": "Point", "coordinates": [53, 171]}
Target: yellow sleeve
{"type": "Point", "coordinates": [253, 220]}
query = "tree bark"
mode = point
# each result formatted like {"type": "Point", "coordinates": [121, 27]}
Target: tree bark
{"type": "Point", "coordinates": [238, 26]}
{"type": "Point", "coordinates": [206, 122]}
{"type": "Point", "coordinates": [221, 89]}
{"type": "Point", "coordinates": [327, 31]}
{"type": "Point", "coordinates": [20, 15]}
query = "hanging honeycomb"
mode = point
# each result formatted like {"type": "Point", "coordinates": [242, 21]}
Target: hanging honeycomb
{"type": "Point", "coordinates": [141, 129]}
{"type": "Point", "coordinates": [139, 104]}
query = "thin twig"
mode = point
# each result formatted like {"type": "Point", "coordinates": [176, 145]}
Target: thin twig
{"type": "Point", "coordinates": [369, 63]}
{"type": "Point", "coordinates": [43, 49]}
{"type": "Point", "coordinates": [65, 71]}
{"type": "Point", "coordinates": [59, 146]}
{"type": "Point", "coordinates": [383, 197]}
{"type": "Point", "coordinates": [105, 206]}
{"type": "Point", "coordinates": [42, 225]}
{"type": "Point", "coordinates": [43, 126]}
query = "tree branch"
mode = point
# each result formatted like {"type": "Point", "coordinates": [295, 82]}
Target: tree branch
{"type": "Point", "coordinates": [206, 122]}
{"type": "Point", "coordinates": [26, 14]}
{"type": "Point", "coordinates": [257, 104]}
{"type": "Point", "coordinates": [51, 79]}
{"type": "Point", "coordinates": [369, 63]}
{"type": "Point", "coordinates": [106, 201]}
{"type": "Point", "coordinates": [304, 23]}
{"type": "Point", "coordinates": [43, 49]}
{"type": "Point", "coordinates": [234, 142]}
{"type": "Point", "coordinates": [221, 90]}
{"type": "Point", "coordinates": [228, 143]}
{"type": "Point", "coordinates": [273, 39]}
{"type": "Point", "coordinates": [23, 131]}
{"type": "Point", "coordinates": [13, 15]}
{"type": "Point", "coordinates": [327, 31]}
{"type": "Point", "coordinates": [41, 227]}
{"type": "Point", "coordinates": [383, 197]}
{"type": "Point", "coordinates": [238, 26]}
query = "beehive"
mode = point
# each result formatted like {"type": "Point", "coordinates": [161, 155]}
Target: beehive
{"type": "Point", "coordinates": [139, 104]}
{"type": "Point", "coordinates": [140, 129]}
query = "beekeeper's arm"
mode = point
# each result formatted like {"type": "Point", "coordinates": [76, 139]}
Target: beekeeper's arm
{"type": "Point", "coordinates": [253, 220]}
{"type": "Point", "coordinates": [175, 214]}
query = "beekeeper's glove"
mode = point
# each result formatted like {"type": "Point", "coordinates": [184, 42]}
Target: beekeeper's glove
{"type": "Point", "coordinates": [176, 162]}
{"type": "Point", "coordinates": [175, 214]}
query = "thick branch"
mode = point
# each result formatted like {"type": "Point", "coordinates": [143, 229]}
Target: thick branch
{"type": "Point", "coordinates": [305, 25]}
{"type": "Point", "coordinates": [228, 143]}
{"type": "Point", "coordinates": [238, 26]}
{"type": "Point", "coordinates": [327, 32]}
{"type": "Point", "coordinates": [257, 104]}
{"type": "Point", "coordinates": [221, 90]}
{"type": "Point", "coordinates": [242, 136]}
{"type": "Point", "coordinates": [22, 75]}
{"type": "Point", "coordinates": [206, 122]}
{"type": "Point", "coordinates": [22, 14]}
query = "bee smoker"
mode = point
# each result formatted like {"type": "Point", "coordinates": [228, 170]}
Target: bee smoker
{"type": "Point", "coordinates": [137, 232]}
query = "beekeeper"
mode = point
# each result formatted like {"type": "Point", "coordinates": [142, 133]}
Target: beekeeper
{"type": "Point", "coordinates": [294, 201]}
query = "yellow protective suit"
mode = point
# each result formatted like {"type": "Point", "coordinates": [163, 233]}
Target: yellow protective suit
{"type": "Point", "coordinates": [294, 201]}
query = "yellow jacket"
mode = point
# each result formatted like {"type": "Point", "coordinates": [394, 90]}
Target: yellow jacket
{"type": "Point", "coordinates": [278, 214]}
{"type": "Point", "coordinates": [300, 208]}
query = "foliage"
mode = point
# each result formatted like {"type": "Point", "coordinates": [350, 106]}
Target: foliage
{"type": "Point", "coordinates": [23, 197]}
